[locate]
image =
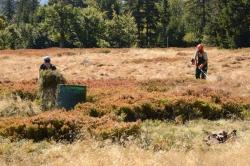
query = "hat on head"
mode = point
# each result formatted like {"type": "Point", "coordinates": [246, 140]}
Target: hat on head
{"type": "Point", "coordinates": [46, 59]}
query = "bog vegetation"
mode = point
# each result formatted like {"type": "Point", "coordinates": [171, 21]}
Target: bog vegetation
{"type": "Point", "coordinates": [144, 107]}
{"type": "Point", "coordinates": [124, 23]}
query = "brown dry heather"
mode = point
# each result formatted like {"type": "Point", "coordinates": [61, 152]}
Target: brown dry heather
{"type": "Point", "coordinates": [144, 107]}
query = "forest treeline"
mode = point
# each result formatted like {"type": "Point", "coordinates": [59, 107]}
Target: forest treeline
{"type": "Point", "coordinates": [124, 23]}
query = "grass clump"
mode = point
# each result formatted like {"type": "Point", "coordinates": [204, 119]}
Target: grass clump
{"type": "Point", "coordinates": [157, 135]}
{"type": "Point", "coordinates": [16, 107]}
{"type": "Point", "coordinates": [24, 95]}
{"type": "Point", "coordinates": [48, 87]}
{"type": "Point", "coordinates": [246, 112]}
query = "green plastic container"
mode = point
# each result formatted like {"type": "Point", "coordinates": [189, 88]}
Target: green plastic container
{"type": "Point", "coordinates": [70, 95]}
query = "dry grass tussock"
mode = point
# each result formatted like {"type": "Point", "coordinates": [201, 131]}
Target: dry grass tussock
{"type": "Point", "coordinates": [14, 106]}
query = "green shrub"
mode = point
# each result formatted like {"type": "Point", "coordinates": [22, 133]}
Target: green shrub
{"type": "Point", "coordinates": [95, 113]}
{"type": "Point", "coordinates": [121, 31]}
{"type": "Point", "coordinates": [210, 111]}
{"type": "Point", "coordinates": [201, 109]}
{"type": "Point", "coordinates": [147, 111]}
{"type": "Point", "coordinates": [126, 114]}
{"type": "Point", "coordinates": [5, 38]}
{"type": "Point", "coordinates": [232, 110]}
{"type": "Point", "coordinates": [187, 110]}
{"type": "Point", "coordinates": [191, 38]}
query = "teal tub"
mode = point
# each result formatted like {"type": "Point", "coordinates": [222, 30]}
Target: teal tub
{"type": "Point", "coordinates": [70, 95]}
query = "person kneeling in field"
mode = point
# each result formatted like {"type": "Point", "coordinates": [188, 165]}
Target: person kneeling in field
{"type": "Point", "coordinates": [201, 62]}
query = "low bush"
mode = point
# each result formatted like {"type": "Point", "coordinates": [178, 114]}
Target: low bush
{"type": "Point", "coordinates": [55, 129]}
{"type": "Point", "coordinates": [66, 126]}
{"type": "Point", "coordinates": [126, 114]}
{"type": "Point", "coordinates": [186, 109]}
{"type": "Point", "coordinates": [95, 113]}
{"type": "Point", "coordinates": [232, 110]}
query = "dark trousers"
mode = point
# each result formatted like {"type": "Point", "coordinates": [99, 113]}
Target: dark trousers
{"type": "Point", "coordinates": [199, 74]}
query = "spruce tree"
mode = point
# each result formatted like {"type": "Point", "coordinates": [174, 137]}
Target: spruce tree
{"type": "Point", "coordinates": [8, 9]}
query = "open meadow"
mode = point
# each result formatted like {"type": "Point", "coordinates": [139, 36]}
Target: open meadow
{"type": "Point", "coordinates": [144, 107]}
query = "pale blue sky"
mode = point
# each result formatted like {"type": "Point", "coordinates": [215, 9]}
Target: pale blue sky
{"type": "Point", "coordinates": [44, 1]}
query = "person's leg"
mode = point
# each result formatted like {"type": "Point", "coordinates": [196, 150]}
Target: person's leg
{"type": "Point", "coordinates": [203, 76]}
{"type": "Point", "coordinates": [198, 73]}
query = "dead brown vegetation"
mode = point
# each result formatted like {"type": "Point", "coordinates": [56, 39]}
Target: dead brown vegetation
{"type": "Point", "coordinates": [141, 94]}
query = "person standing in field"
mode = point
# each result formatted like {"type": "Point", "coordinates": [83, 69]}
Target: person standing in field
{"type": "Point", "coordinates": [47, 64]}
{"type": "Point", "coordinates": [201, 62]}
{"type": "Point", "coordinates": [47, 77]}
